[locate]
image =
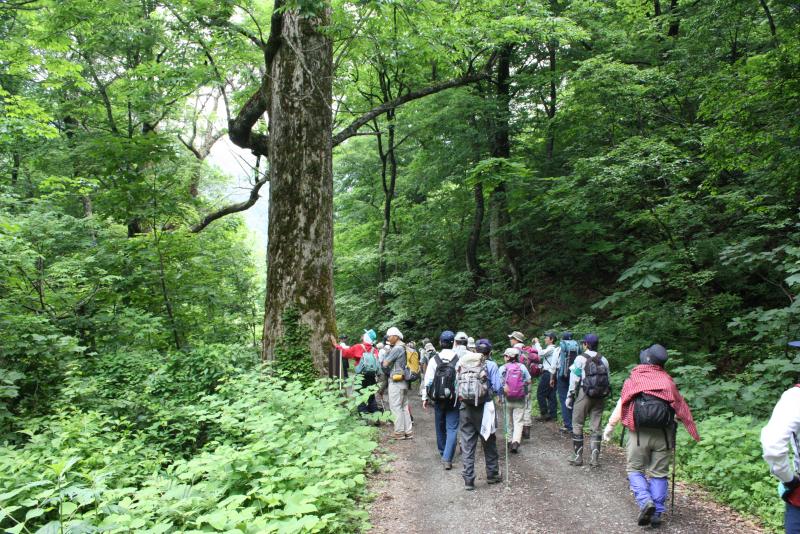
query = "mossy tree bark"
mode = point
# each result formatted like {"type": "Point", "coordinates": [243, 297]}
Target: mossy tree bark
{"type": "Point", "coordinates": [300, 250]}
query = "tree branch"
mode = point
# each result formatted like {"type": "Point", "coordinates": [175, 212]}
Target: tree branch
{"type": "Point", "coordinates": [232, 208]}
{"type": "Point", "coordinates": [354, 126]}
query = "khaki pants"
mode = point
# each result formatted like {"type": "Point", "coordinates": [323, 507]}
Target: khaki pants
{"type": "Point", "coordinates": [586, 407]}
{"type": "Point", "coordinates": [649, 452]}
{"type": "Point", "coordinates": [516, 415]}
{"type": "Point", "coordinates": [526, 420]}
{"type": "Point", "coordinates": [398, 403]}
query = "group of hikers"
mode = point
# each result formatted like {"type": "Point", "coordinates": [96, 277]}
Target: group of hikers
{"type": "Point", "coordinates": [467, 389]}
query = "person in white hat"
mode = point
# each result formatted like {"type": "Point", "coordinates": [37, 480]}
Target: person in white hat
{"type": "Point", "coordinates": [394, 366]}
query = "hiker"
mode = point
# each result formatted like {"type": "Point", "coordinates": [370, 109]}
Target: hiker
{"type": "Point", "coordinates": [367, 366]}
{"type": "Point", "coordinates": [460, 343]}
{"type": "Point", "coordinates": [516, 381]}
{"type": "Point", "coordinates": [546, 392]}
{"type": "Point", "coordinates": [480, 420]}
{"type": "Point", "coordinates": [426, 354]}
{"type": "Point", "coordinates": [648, 407]}
{"type": "Point", "coordinates": [516, 340]}
{"type": "Point", "coordinates": [471, 346]}
{"type": "Point", "coordinates": [589, 386]}
{"type": "Point", "coordinates": [566, 357]}
{"type": "Point", "coordinates": [782, 429]}
{"type": "Point", "coordinates": [440, 390]}
{"type": "Point", "coordinates": [394, 367]}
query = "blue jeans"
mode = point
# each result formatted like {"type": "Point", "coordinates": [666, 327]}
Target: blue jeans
{"type": "Point", "coordinates": [566, 413]}
{"type": "Point", "coordinates": [445, 418]}
{"type": "Point", "coordinates": [791, 519]}
{"type": "Point", "coordinates": [546, 396]}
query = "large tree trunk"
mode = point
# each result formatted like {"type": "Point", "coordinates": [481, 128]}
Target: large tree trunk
{"type": "Point", "coordinates": [300, 247]}
{"type": "Point", "coordinates": [473, 265]}
{"type": "Point", "coordinates": [499, 219]}
{"type": "Point", "coordinates": [388, 183]}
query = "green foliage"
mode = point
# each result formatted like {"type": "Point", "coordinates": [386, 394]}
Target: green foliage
{"type": "Point", "coordinates": [257, 472]}
{"type": "Point", "coordinates": [292, 360]}
{"type": "Point", "coordinates": [728, 461]}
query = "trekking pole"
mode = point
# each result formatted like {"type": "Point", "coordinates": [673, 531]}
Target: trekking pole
{"type": "Point", "coordinates": [622, 436]}
{"type": "Point", "coordinates": [505, 438]}
{"type": "Point", "coordinates": [341, 371]}
{"type": "Point", "coordinates": [674, 465]}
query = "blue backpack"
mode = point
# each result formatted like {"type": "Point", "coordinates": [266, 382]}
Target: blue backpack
{"type": "Point", "coordinates": [368, 364]}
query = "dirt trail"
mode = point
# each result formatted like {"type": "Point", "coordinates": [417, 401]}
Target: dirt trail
{"type": "Point", "coordinates": [545, 494]}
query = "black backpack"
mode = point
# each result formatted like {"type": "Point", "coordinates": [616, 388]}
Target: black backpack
{"type": "Point", "coordinates": [650, 411]}
{"type": "Point", "coordinates": [443, 387]}
{"type": "Point", "coordinates": [595, 380]}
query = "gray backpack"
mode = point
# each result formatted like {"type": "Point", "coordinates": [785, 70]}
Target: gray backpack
{"type": "Point", "coordinates": [473, 384]}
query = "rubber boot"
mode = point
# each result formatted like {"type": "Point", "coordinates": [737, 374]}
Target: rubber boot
{"type": "Point", "coordinates": [658, 490]}
{"type": "Point", "coordinates": [526, 432]}
{"type": "Point", "coordinates": [577, 446]}
{"type": "Point", "coordinates": [594, 446]}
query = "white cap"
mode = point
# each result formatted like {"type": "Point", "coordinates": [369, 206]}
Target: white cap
{"type": "Point", "coordinates": [471, 343]}
{"type": "Point", "coordinates": [461, 336]}
{"type": "Point", "coordinates": [511, 352]}
{"type": "Point", "coordinates": [394, 331]}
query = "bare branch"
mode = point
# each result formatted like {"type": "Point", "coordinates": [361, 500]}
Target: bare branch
{"type": "Point", "coordinates": [232, 208]}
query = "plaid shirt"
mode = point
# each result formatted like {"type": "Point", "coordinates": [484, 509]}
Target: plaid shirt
{"type": "Point", "coordinates": [655, 381]}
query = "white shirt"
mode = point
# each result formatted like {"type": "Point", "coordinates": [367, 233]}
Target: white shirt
{"type": "Point", "coordinates": [783, 428]}
{"type": "Point", "coordinates": [549, 356]}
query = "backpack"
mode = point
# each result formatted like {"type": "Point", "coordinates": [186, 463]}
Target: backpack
{"type": "Point", "coordinates": [367, 364]}
{"type": "Point", "coordinates": [472, 384]}
{"type": "Point", "coordinates": [595, 380]}
{"type": "Point", "coordinates": [570, 352]}
{"type": "Point", "coordinates": [535, 364]}
{"type": "Point", "coordinates": [411, 371]}
{"type": "Point", "coordinates": [515, 382]}
{"type": "Point", "coordinates": [650, 411]}
{"type": "Point", "coordinates": [443, 387]}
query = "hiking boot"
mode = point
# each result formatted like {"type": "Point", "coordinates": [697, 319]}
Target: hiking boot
{"type": "Point", "coordinates": [448, 466]}
{"type": "Point", "coordinates": [514, 447]}
{"type": "Point", "coordinates": [526, 432]}
{"type": "Point", "coordinates": [469, 485]}
{"type": "Point", "coordinates": [655, 521]}
{"type": "Point", "coordinates": [494, 479]}
{"type": "Point", "coordinates": [409, 435]}
{"type": "Point", "coordinates": [398, 435]}
{"type": "Point", "coordinates": [577, 447]}
{"type": "Point", "coordinates": [595, 446]}
{"type": "Point", "coordinates": [646, 514]}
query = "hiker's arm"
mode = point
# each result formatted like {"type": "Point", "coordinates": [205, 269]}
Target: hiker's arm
{"type": "Point", "coordinates": [427, 380]}
{"type": "Point", "coordinates": [775, 436]}
{"type": "Point", "coordinates": [575, 373]}
{"type": "Point", "coordinates": [495, 381]}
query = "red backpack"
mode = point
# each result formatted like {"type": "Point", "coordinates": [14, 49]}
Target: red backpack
{"type": "Point", "coordinates": [529, 357]}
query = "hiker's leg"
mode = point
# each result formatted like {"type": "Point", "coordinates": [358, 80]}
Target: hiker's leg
{"type": "Point", "coordinates": [596, 411]}
{"type": "Point", "coordinates": [551, 399]}
{"type": "Point", "coordinates": [526, 419]}
{"type": "Point", "coordinates": [542, 395]}
{"type": "Point", "coordinates": [396, 406]}
{"type": "Point", "coordinates": [791, 519]}
{"type": "Point", "coordinates": [406, 412]}
{"type": "Point", "coordinates": [451, 433]}
{"type": "Point", "coordinates": [566, 413]}
{"type": "Point", "coordinates": [469, 440]}
{"type": "Point", "coordinates": [491, 457]}
{"type": "Point", "coordinates": [440, 425]}
{"type": "Point", "coordinates": [579, 412]}
{"type": "Point", "coordinates": [658, 490]}
{"type": "Point", "coordinates": [639, 487]}
{"type": "Point", "coordinates": [518, 418]}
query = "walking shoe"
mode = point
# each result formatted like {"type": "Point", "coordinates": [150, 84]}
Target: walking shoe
{"type": "Point", "coordinates": [469, 486]}
{"type": "Point", "coordinates": [409, 435]}
{"type": "Point", "coordinates": [655, 521]}
{"type": "Point", "coordinates": [646, 514]}
{"type": "Point", "coordinates": [494, 479]}
{"type": "Point", "coordinates": [448, 466]}
{"type": "Point", "coordinates": [514, 447]}
{"type": "Point", "coordinates": [398, 435]}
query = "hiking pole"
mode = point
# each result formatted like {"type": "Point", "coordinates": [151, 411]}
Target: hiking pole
{"type": "Point", "coordinates": [622, 436]}
{"type": "Point", "coordinates": [674, 465]}
{"type": "Point", "coordinates": [505, 438]}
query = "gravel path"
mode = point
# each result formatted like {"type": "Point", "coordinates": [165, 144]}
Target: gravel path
{"type": "Point", "coordinates": [544, 495]}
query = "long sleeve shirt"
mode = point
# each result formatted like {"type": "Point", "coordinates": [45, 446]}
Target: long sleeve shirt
{"type": "Point", "coordinates": [549, 357]}
{"type": "Point", "coordinates": [446, 355]}
{"type": "Point", "coordinates": [356, 351]}
{"type": "Point", "coordinates": [578, 368]}
{"type": "Point", "coordinates": [781, 430]}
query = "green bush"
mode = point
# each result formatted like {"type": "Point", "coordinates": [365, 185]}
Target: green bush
{"type": "Point", "coordinates": [728, 462]}
{"type": "Point", "coordinates": [284, 457]}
